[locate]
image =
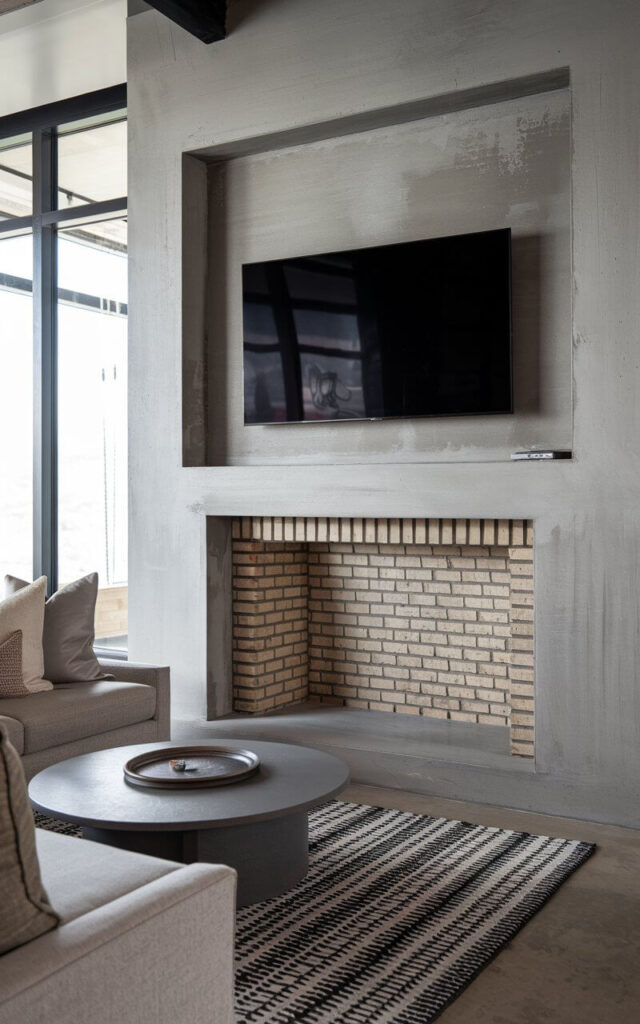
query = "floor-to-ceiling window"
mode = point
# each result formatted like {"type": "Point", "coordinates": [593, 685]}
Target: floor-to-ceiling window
{"type": "Point", "coordinates": [63, 349]}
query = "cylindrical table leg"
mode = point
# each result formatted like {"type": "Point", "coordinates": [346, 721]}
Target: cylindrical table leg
{"type": "Point", "coordinates": [270, 856]}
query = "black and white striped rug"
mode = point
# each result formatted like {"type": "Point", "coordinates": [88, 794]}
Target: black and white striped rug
{"type": "Point", "coordinates": [397, 914]}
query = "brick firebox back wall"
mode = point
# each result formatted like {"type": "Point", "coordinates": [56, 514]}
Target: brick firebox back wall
{"type": "Point", "coordinates": [442, 630]}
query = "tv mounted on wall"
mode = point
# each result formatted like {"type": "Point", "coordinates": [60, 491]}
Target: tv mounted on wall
{"type": "Point", "coordinates": [413, 329]}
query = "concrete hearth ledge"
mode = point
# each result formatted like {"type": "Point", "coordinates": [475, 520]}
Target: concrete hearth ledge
{"type": "Point", "coordinates": [369, 740]}
{"type": "Point", "coordinates": [449, 758]}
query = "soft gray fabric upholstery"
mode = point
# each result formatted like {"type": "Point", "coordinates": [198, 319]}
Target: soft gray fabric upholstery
{"type": "Point", "coordinates": [15, 731]}
{"type": "Point", "coordinates": [25, 611]}
{"type": "Point", "coordinates": [69, 631]}
{"type": "Point", "coordinates": [152, 729]}
{"type": "Point", "coordinates": [25, 911]}
{"type": "Point", "coordinates": [80, 876]}
{"type": "Point", "coordinates": [141, 732]}
{"type": "Point", "coordinates": [71, 712]}
{"type": "Point", "coordinates": [160, 955]}
{"type": "Point", "coordinates": [153, 675]}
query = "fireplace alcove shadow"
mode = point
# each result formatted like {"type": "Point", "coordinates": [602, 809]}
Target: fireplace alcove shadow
{"type": "Point", "coordinates": [438, 632]}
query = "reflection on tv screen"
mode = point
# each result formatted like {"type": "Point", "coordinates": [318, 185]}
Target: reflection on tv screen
{"type": "Point", "coordinates": [414, 329]}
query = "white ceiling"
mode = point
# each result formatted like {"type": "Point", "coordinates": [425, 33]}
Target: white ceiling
{"type": "Point", "coordinates": [59, 48]}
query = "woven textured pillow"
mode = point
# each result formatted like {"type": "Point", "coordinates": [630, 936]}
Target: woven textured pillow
{"type": "Point", "coordinates": [11, 684]}
{"type": "Point", "coordinates": [68, 630]}
{"type": "Point", "coordinates": [26, 912]}
{"type": "Point", "coordinates": [25, 611]}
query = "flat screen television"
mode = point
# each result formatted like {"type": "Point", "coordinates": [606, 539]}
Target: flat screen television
{"type": "Point", "coordinates": [413, 329]}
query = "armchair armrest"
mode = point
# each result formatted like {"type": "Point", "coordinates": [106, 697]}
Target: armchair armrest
{"type": "Point", "coordinates": [153, 675]}
{"type": "Point", "coordinates": [161, 954]}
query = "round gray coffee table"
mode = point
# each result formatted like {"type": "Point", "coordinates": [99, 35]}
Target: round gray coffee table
{"type": "Point", "coordinates": [258, 826]}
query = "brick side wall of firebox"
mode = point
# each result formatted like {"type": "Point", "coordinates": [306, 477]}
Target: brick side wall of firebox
{"type": "Point", "coordinates": [442, 630]}
{"type": "Point", "coordinates": [270, 625]}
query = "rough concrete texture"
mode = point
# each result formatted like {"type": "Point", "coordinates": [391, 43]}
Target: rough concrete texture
{"type": "Point", "coordinates": [493, 166]}
{"type": "Point", "coordinates": [288, 64]}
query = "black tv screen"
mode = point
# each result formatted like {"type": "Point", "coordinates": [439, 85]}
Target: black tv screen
{"type": "Point", "coordinates": [414, 329]}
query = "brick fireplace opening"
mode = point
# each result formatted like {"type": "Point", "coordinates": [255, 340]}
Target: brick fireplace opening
{"type": "Point", "coordinates": [430, 617]}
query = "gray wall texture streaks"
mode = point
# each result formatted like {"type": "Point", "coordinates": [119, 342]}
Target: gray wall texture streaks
{"type": "Point", "coordinates": [291, 64]}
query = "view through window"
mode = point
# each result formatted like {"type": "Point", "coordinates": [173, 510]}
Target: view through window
{"type": "Point", "coordinates": [63, 363]}
{"type": "Point", "coordinates": [16, 406]}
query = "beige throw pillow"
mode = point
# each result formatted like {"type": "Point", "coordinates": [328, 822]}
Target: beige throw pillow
{"type": "Point", "coordinates": [25, 611]}
{"type": "Point", "coordinates": [26, 912]}
{"type": "Point", "coordinates": [11, 684]}
{"type": "Point", "coordinates": [69, 630]}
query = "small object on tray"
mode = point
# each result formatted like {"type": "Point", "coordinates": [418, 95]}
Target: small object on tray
{"type": "Point", "coordinates": [190, 767]}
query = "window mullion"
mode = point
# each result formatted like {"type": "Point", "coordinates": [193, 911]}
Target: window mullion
{"type": "Point", "coordinates": [45, 359]}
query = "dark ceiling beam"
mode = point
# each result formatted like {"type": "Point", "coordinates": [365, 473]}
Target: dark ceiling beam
{"type": "Point", "coordinates": [205, 19]}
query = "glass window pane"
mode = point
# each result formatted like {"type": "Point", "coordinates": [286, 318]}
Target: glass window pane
{"type": "Point", "coordinates": [16, 408]}
{"type": "Point", "coordinates": [92, 163]}
{"type": "Point", "coordinates": [92, 419]}
{"type": "Point", "coordinates": [16, 172]}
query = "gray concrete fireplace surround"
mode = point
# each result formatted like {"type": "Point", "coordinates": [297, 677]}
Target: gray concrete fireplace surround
{"type": "Point", "coordinates": [316, 127]}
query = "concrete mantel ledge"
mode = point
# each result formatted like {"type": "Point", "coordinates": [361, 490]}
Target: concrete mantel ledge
{"type": "Point", "coordinates": [526, 490]}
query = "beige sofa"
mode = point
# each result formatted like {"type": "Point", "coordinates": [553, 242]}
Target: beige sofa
{"type": "Point", "coordinates": [76, 718]}
{"type": "Point", "coordinates": [142, 941]}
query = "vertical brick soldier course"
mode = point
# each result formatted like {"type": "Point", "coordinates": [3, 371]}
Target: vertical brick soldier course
{"type": "Point", "coordinates": [382, 615]}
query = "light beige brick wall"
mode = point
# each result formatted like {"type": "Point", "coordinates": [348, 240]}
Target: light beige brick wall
{"type": "Point", "coordinates": [270, 597]}
{"type": "Point", "coordinates": [414, 628]}
{"type": "Point", "coordinates": [438, 629]}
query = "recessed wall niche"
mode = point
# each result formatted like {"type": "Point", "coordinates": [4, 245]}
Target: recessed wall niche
{"type": "Point", "coordinates": [487, 165]}
{"type": "Point", "coordinates": [426, 617]}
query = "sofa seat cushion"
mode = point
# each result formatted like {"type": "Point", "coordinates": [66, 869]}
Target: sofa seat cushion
{"type": "Point", "coordinates": [81, 876]}
{"type": "Point", "coordinates": [76, 710]}
{"type": "Point", "coordinates": [15, 730]}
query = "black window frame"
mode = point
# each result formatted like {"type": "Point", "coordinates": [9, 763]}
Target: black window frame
{"type": "Point", "coordinates": [43, 123]}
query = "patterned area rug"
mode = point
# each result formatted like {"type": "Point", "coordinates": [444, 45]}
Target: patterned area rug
{"type": "Point", "coordinates": [397, 914]}
{"type": "Point", "coordinates": [65, 828]}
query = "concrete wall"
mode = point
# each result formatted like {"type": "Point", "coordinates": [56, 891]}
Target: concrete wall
{"type": "Point", "coordinates": [290, 65]}
{"type": "Point", "coordinates": [491, 166]}
{"type": "Point", "coordinates": [60, 48]}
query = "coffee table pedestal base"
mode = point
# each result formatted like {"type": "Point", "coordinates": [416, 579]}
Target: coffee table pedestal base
{"type": "Point", "coordinates": [270, 856]}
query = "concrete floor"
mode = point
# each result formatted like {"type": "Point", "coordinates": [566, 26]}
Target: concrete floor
{"type": "Point", "coordinates": [578, 959]}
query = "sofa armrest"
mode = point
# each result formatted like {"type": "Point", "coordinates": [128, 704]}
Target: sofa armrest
{"type": "Point", "coordinates": [161, 954]}
{"type": "Point", "coordinates": [153, 675]}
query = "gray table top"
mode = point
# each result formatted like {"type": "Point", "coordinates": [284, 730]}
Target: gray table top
{"type": "Point", "coordinates": [91, 789]}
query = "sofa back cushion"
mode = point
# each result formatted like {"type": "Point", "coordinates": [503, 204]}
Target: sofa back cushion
{"type": "Point", "coordinates": [26, 912]}
{"type": "Point", "coordinates": [69, 630]}
{"type": "Point", "coordinates": [25, 611]}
